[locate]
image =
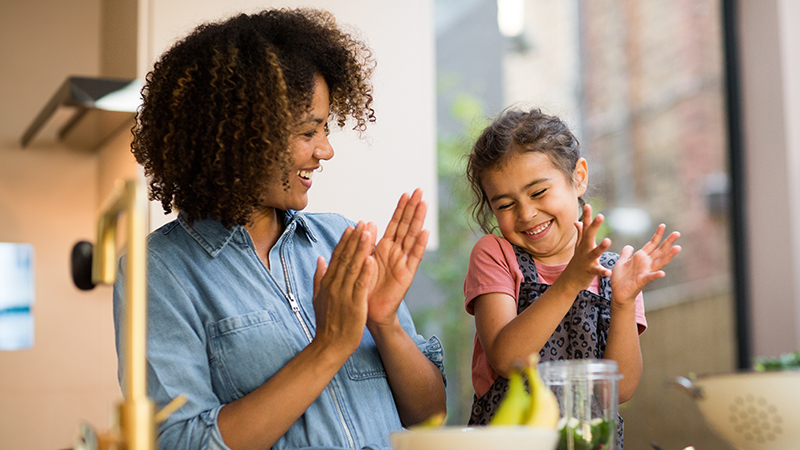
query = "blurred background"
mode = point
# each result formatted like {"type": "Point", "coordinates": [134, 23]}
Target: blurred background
{"type": "Point", "coordinates": [687, 112]}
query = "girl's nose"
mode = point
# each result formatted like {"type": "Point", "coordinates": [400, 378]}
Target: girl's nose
{"type": "Point", "coordinates": [528, 211]}
{"type": "Point", "coordinates": [324, 149]}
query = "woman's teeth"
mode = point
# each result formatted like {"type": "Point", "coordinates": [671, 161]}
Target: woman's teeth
{"type": "Point", "coordinates": [538, 229]}
{"type": "Point", "coordinates": [305, 174]}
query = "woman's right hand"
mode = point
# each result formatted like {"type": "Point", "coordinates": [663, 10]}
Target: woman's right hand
{"type": "Point", "coordinates": [341, 288]}
{"type": "Point", "coordinates": [261, 417]}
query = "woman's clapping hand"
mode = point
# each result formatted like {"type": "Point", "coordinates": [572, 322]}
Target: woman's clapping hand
{"type": "Point", "coordinates": [341, 288]}
{"type": "Point", "coordinates": [397, 256]}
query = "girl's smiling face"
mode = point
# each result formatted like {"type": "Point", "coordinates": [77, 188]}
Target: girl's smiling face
{"type": "Point", "coordinates": [536, 205]}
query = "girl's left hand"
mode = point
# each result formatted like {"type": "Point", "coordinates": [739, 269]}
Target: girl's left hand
{"type": "Point", "coordinates": [634, 271]}
{"type": "Point", "coordinates": [398, 255]}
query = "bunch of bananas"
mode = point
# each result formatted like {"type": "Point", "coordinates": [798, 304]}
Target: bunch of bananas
{"type": "Point", "coordinates": [434, 421]}
{"type": "Point", "coordinates": [539, 408]}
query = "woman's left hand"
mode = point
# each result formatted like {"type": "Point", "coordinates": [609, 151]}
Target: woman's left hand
{"type": "Point", "coordinates": [398, 255]}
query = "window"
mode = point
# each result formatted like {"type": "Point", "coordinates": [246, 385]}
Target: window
{"type": "Point", "coordinates": [642, 85]}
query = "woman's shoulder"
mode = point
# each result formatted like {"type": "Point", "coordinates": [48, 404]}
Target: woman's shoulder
{"type": "Point", "coordinates": [322, 218]}
{"type": "Point", "coordinates": [164, 234]}
{"type": "Point", "coordinates": [179, 237]}
{"type": "Point", "coordinates": [324, 226]}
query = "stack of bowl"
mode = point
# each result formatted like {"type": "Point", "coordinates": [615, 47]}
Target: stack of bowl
{"type": "Point", "coordinates": [519, 437]}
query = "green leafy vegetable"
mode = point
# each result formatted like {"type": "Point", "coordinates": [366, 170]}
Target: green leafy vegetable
{"type": "Point", "coordinates": [596, 435]}
{"type": "Point", "coordinates": [786, 361]}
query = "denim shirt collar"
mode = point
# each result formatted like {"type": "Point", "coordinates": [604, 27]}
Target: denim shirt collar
{"type": "Point", "coordinates": [213, 236]}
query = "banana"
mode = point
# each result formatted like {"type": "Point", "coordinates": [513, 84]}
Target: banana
{"type": "Point", "coordinates": [434, 421]}
{"type": "Point", "coordinates": [543, 410]}
{"type": "Point", "coordinates": [515, 403]}
{"type": "Point", "coordinates": [518, 407]}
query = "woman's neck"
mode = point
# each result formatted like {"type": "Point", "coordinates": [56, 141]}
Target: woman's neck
{"type": "Point", "coordinates": [265, 229]}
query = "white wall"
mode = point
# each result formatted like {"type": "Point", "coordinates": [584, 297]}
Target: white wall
{"type": "Point", "coordinates": [48, 198]}
{"type": "Point", "coordinates": [788, 16]}
{"type": "Point", "coordinates": [398, 153]}
{"type": "Point", "coordinates": [50, 194]}
{"type": "Point", "coordinates": [770, 74]}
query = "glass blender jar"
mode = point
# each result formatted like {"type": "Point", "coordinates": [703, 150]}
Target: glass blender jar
{"type": "Point", "coordinates": [587, 393]}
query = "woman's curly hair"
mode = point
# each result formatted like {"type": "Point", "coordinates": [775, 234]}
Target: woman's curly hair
{"type": "Point", "coordinates": [517, 131]}
{"type": "Point", "coordinates": [219, 107]}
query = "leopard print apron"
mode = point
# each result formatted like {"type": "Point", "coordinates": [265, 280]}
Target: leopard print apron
{"type": "Point", "coordinates": [582, 333]}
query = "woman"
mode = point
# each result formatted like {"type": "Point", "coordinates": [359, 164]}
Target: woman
{"type": "Point", "coordinates": [273, 346]}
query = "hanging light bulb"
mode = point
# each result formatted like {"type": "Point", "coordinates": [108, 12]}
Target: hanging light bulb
{"type": "Point", "coordinates": [510, 17]}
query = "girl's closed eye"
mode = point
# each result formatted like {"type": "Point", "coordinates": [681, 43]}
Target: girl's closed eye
{"type": "Point", "coordinates": [504, 206]}
{"type": "Point", "coordinates": [538, 193]}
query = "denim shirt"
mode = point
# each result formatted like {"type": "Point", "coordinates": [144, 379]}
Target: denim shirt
{"type": "Point", "coordinates": [220, 324]}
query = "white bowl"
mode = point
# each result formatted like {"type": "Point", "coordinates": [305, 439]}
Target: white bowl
{"type": "Point", "coordinates": [476, 438]}
{"type": "Point", "coordinates": [752, 410]}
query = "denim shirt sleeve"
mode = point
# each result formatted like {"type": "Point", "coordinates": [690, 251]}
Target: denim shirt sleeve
{"type": "Point", "coordinates": [432, 348]}
{"type": "Point", "coordinates": [176, 361]}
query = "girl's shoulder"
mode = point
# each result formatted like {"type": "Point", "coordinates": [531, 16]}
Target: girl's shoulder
{"type": "Point", "coordinates": [491, 243]}
{"type": "Point", "coordinates": [493, 251]}
{"type": "Point", "coordinates": [493, 267]}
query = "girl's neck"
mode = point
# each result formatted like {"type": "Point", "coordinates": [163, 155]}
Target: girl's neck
{"type": "Point", "coordinates": [265, 229]}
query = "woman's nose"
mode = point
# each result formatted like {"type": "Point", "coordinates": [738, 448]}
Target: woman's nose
{"type": "Point", "coordinates": [324, 149]}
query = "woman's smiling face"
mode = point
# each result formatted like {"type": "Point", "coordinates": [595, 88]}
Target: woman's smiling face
{"type": "Point", "coordinates": [309, 145]}
{"type": "Point", "coordinates": [536, 205]}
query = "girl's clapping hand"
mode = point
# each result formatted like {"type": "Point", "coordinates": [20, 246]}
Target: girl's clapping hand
{"type": "Point", "coordinates": [585, 263]}
{"type": "Point", "coordinates": [634, 271]}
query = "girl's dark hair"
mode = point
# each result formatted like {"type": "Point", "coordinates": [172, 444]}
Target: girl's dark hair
{"type": "Point", "coordinates": [219, 107]}
{"type": "Point", "coordinates": [516, 131]}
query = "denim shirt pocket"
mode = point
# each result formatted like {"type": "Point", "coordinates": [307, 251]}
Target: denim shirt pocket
{"type": "Point", "coordinates": [246, 351]}
{"type": "Point", "coordinates": [365, 363]}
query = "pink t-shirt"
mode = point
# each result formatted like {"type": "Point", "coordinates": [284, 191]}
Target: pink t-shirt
{"type": "Point", "coordinates": [493, 268]}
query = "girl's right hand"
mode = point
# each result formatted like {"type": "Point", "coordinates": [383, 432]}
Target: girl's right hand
{"type": "Point", "coordinates": [341, 289]}
{"type": "Point", "coordinates": [585, 263]}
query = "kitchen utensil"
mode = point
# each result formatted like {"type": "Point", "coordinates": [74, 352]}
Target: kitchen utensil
{"type": "Point", "coordinates": [587, 392]}
{"type": "Point", "coordinates": [750, 410]}
{"type": "Point", "coordinates": [476, 438]}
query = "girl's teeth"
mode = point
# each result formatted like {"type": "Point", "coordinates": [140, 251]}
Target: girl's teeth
{"type": "Point", "coordinates": [305, 174]}
{"type": "Point", "coordinates": [538, 229]}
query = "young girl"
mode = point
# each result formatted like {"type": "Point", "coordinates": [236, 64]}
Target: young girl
{"type": "Point", "coordinates": [546, 286]}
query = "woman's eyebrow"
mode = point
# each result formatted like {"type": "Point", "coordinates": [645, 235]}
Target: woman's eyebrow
{"type": "Point", "coordinates": [310, 119]}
